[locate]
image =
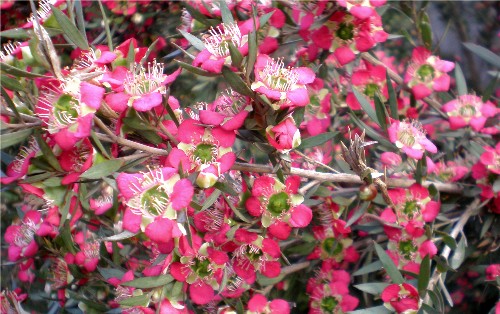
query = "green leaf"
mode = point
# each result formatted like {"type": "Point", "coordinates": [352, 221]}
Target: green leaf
{"type": "Point", "coordinates": [265, 281]}
{"type": "Point", "coordinates": [483, 53]}
{"type": "Point", "coordinates": [490, 88]}
{"type": "Point", "coordinates": [10, 83]}
{"type": "Point", "coordinates": [4, 67]}
{"type": "Point", "coordinates": [16, 33]}
{"type": "Point", "coordinates": [64, 209]}
{"type": "Point", "coordinates": [359, 212]}
{"type": "Point", "coordinates": [80, 19]}
{"type": "Point", "coordinates": [227, 16]}
{"type": "Point", "coordinates": [486, 225]}
{"type": "Point", "coordinates": [374, 288]}
{"type": "Point", "coordinates": [425, 308]}
{"type": "Point", "coordinates": [372, 310]}
{"type": "Point", "coordinates": [236, 210]}
{"type": "Point", "coordinates": [252, 53]}
{"type": "Point", "coordinates": [195, 70]}
{"type": "Point", "coordinates": [421, 170]}
{"type": "Point", "coordinates": [195, 41]}
{"type": "Point", "coordinates": [65, 234]}
{"type": "Point", "coordinates": [460, 80]}
{"type": "Point", "coordinates": [447, 239]}
{"type": "Point", "coordinates": [12, 138]}
{"type": "Point", "coordinates": [236, 82]}
{"type": "Point", "coordinates": [140, 300]}
{"type": "Point", "coordinates": [365, 104]}
{"type": "Point", "coordinates": [236, 57]}
{"type": "Point", "coordinates": [110, 272]}
{"type": "Point", "coordinates": [199, 16]}
{"type": "Point", "coordinates": [102, 169]}
{"type": "Point", "coordinates": [388, 264]}
{"type": "Point", "coordinates": [393, 103]}
{"type": "Point", "coordinates": [381, 112]}
{"type": "Point", "coordinates": [120, 236]}
{"type": "Point", "coordinates": [370, 268]}
{"type": "Point", "coordinates": [109, 38]}
{"type": "Point", "coordinates": [149, 282]}
{"type": "Point", "coordinates": [317, 140]}
{"type": "Point", "coordinates": [425, 30]}
{"type": "Point", "coordinates": [211, 199]}
{"type": "Point", "coordinates": [459, 255]}
{"type": "Point", "coordinates": [264, 18]}
{"type": "Point", "coordinates": [70, 29]}
{"type": "Point", "coordinates": [47, 152]}
{"type": "Point", "coordinates": [437, 301]}
{"type": "Point", "coordinates": [130, 55]}
{"type": "Point", "coordinates": [10, 103]}
{"type": "Point", "coordinates": [424, 276]}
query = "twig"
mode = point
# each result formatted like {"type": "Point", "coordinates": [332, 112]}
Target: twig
{"type": "Point", "coordinates": [25, 117]}
{"type": "Point", "coordinates": [318, 163]}
{"type": "Point", "coordinates": [471, 209]}
{"type": "Point", "coordinates": [382, 221]}
{"type": "Point", "coordinates": [399, 80]}
{"type": "Point", "coordinates": [345, 178]}
{"type": "Point", "coordinates": [132, 144]}
{"type": "Point", "coordinates": [23, 125]}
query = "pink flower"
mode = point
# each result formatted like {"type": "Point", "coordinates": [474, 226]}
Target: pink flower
{"type": "Point", "coordinates": [370, 81]}
{"type": "Point", "coordinates": [201, 266]}
{"type": "Point", "coordinates": [285, 87]}
{"type": "Point", "coordinates": [401, 298]}
{"type": "Point", "coordinates": [390, 159]}
{"type": "Point", "coordinates": [469, 110]}
{"type": "Point", "coordinates": [284, 136]}
{"type": "Point", "coordinates": [216, 53]}
{"type": "Point", "coordinates": [21, 237]}
{"type": "Point", "coordinates": [361, 9]}
{"type": "Point", "coordinates": [427, 73]}
{"type": "Point", "coordinates": [253, 254]}
{"type": "Point", "coordinates": [142, 88]}
{"type": "Point", "coordinates": [450, 172]}
{"type": "Point", "coordinates": [279, 205]}
{"type": "Point", "coordinates": [410, 138]}
{"type": "Point", "coordinates": [332, 297]}
{"type": "Point", "coordinates": [491, 158]}
{"type": "Point", "coordinates": [19, 167]}
{"type": "Point", "coordinates": [67, 109]}
{"type": "Point", "coordinates": [159, 192]}
{"type": "Point", "coordinates": [206, 150]}
{"type": "Point", "coordinates": [228, 111]}
{"type": "Point", "coordinates": [258, 304]}
{"type": "Point", "coordinates": [492, 271]}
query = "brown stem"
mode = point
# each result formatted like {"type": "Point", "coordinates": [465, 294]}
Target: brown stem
{"type": "Point", "coordinates": [346, 178]}
{"type": "Point", "coordinates": [132, 144]}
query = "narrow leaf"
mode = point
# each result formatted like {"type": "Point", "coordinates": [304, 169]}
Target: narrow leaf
{"type": "Point", "coordinates": [198, 16]}
{"type": "Point", "coordinates": [372, 133]}
{"type": "Point", "coordinates": [4, 67]}
{"type": "Point", "coordinates": [140, 300]}
{"type": "Point", "coordinates": [12, 138]}
{"type": "Point", "coordinates": [70, 29]}
{"type": "Point", "coordinates": [460, 80]}
{"type": "Point", "coordinates": [10, 83]}
{"type": "Point", "coordinates": [264, 18]}
{"type": "Point", "coordinates": [15, 33]}
{"type": "Point", "coordinates": [365, 104]}
{"type": "Point", "coordinates": [235, 81]}
{"type": "Point", "coordinates": [483, 53]}
{"type": "Point", "coordinates": [227, 16]}
{"type": "Point", "coordinates": [120, 236]}
{"type": "Point", "coordinates": [424, 276]}
{"type": "Point", "coordinates": [374, 288]}
{"type": "Point", "coordinates": [372, 310]}
{"type": "Point", "coordinates": [195, 41]}
{"type": "Point", "coordinates": [459, 254]}
{"type": "Point", "coordinates": [316, 140]}
{"type": "Point", "coordinates": [80, 19]}
{"type": "Point", "coordinates": [195, 70]}
{"type": "Point", "coordinates": [47, 152]}
{"type": "Point", "coordinates": [211, 199]}
{"type": "Point", "coordinates": [393, 103]}
{"type": "Point", "coordinates": [381, 112]}
{"type": "Point", "coordinates": [388, 264]}
{"type": "Point", "coordinates": [236, 57]}
{"type": "Point", "coordinates": [359, 212]}
{"type": "Point", "coordinates": [102, 169]}
{"type": "Point", "coordinates": [149, 282]}
{"type": "Point", "coordinates": [370, 268]}
{"type": "Point", "coordinates": [252, 53]}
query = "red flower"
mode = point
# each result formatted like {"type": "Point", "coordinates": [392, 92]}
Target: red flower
{"type": "Point", "coordinates": [279, 205]}
{"type": "Point", "coordinates": [401, 298]}
{"type": "Point", "coordinates": [284, 136]}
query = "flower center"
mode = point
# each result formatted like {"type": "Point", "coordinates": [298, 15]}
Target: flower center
{"type": "Point", "coordinates": [64, 112]}
{"type": "Point", "coordinates": [467, 110]}
{"type": "Point", "coordinates": [328, 304]}
{"type": "Point", "coordinates": [278, 203]}
{"type": "Point", "coordinates": [154, 200]}
{"type": "Point", "coordinates": [142, 81]}
{"type": "Point", "coordinates": [218, 43]}
{"type": "Point", "coordinates": [406, 248]}
{"type": "Point", "coordinates": [426, 72]}
{"type": "Point", "coordinates": [201, 267]}
{"type": "Point", "coordinates": [410, 208]}
{"type": "Point", "coordinates": [406, 137]}
{"type": "Point", "coordinates": [25, 234]}
{"type": "Point", "coordinates": [332, 246]}
{"type": "Point", "coordinates": [345, 31]}
{"type": "Point", "coordinates": [278, 77]}
{"type": "Point", "coordinates": [371, 89]}
{"type": "Point", "coordinates": [205, 153]}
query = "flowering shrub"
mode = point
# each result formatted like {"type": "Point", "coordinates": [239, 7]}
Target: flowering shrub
{"type": "Point", "coordinates": [245, 157]}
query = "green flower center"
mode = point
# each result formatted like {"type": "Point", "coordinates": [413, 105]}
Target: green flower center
{"type": "Point", "coordinates": [467, 111]}
{"type": "Point", "coordinates": [329, 304]}
{"type": "Point", "coordinates": [65, 109]}
{"type": "Point", "coordinates": [154, 200]}
{"type": "Point", "coordinates": [200, 266]}
{"type": "Point", "coordinates": [407, 138]}
{"type": "Point", "coordinates": [426, 72]}
{"type": "Point", "coordinates": [410, 208]}
{"type": "Point", "coordinates": [332, 246]}
{"type": "Point", "coordinates": [205, 152]}
{"type": "Point", "coordinates": [371, 89]}
{"type": "Point", "coordinates": [406, 248]}
{"type": "Point", "coordinates": [253, 255]}
{"type": "Point", "coordinates": [345, 31]}
{"type": "Point", "coordinates": [278, 203]}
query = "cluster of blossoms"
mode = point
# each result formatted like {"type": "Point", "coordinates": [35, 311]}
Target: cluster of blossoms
{"type": "Point", "coordinates": [146, 194]}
